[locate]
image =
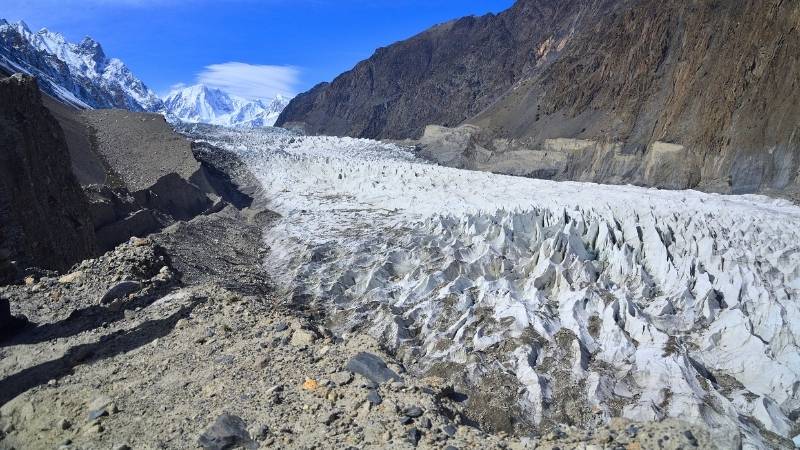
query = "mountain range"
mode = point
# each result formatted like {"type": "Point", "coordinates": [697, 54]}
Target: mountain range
{"type": "Point", "coordinates": [82, 76]}
{"type": "Point", "coordinates": [202, 104]}
{"type": "Point", "coordinates": [77, 74]}
{"type": "Point", "coordinates": [662, 93]}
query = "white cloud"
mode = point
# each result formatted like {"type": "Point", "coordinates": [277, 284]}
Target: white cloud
{"type": "Point", "coordinates": [251, 81]}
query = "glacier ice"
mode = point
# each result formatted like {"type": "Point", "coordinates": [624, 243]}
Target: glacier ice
{"type": "Point", "coordinates": [635, 302]}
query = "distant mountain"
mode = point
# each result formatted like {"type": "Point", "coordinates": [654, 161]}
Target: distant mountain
{"type": "Point", "coordinates": [202, 104]}
{"type": "Point", "coordinates": [78, 74]}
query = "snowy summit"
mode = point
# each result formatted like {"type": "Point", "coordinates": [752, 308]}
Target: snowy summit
{"type": "Point", "coordinates": [203, 104]}
{"type": "Point", "coordinates": [78, 74]}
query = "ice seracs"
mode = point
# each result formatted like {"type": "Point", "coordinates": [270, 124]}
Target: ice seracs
{"type": "Point", "coordinates": [78, 74]}
{"type": "Point", "coordinates": [203, 104]}
{"type": "Point", "coordinates": [592, 301]}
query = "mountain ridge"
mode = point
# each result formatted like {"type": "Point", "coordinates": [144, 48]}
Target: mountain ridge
{"type": "Point", "coordinates": [80, 75]}
{"type": "Point", "coordinates": [589, 91]}
{"type": "Point", "coordinates": [202, 104]}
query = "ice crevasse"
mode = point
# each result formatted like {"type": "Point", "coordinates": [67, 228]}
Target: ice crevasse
{"type": "Point", "coordinates": [598, 300]}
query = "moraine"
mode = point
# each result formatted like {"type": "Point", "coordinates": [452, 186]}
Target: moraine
{"type": "Point", "coordinates": [548, 302]}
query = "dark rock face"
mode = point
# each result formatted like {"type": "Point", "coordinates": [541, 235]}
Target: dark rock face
{"type": "Point", "coordinates": [8, 323]}
{"type": "Point", "coordinates": [444, 75]}
{"type": "Point", "coordinates": [661, 93]}
{"type": "Point", "coordinates": [44, 214]}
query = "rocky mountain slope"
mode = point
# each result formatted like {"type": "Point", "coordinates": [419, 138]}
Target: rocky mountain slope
{"type": "Point", "coordinates": [80, 74]}
{"type": "Point", "coordinates": [626, 91]}
{"type": "Point", "coordinates": [201, 104]}
{"type": "Point", "coordinates": [44, 216]}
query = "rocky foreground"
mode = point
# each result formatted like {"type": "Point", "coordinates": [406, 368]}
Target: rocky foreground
{"type": "Point", "coordinates": [123, 354]}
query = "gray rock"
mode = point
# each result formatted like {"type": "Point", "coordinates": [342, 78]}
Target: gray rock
{"type": "Point", "coordinates": [261, 433]}
{"type": "Point", "coordinates": [97, 413]}
{"type": "Point", "coordinates": [342, 378]}
{"type": "Point", "coordinates": [227, 432]}
{"type": "Point", "coordinates": [449, 430]}
{"type": "Point", "coordinates": [690, 437]}
{"type": "Point", "coordinates": [412, 411]}
{"type": "Point", "coordinates": [330, 417]}
{"type": "Point", "coordinates": [120, 290]}
{"type": "Point", "coordinates": [414, 435]}
{"type": "Point", "coordinates": [302, 338]}
{"type": "Point", "coordinates": [371, 367]}
{"type": "Point", "coordinates": [226, 360]}
{"type": "Point", "coordinates": [374, 398]}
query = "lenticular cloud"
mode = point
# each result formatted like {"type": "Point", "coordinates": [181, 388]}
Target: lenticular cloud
{"type": "Point", "coordinates": [251, 81]}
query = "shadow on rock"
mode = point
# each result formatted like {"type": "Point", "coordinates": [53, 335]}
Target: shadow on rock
{"type": "Point", "coordinates": [79, 321]}
{"type": "Point", "coordinates": [109, 346]}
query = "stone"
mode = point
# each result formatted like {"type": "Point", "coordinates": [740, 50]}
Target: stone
{"type": "Point", "coordinates": [63, 424]}
{"type": "Point", "coordinates": [414, 435]}
{"type": "Point", "coordinates": [690, 437]}
{"type": "Point", "coordinates": [281, 326]}
{"type": "Point", "coordinates": [310, 384]}
{"type": "Point", "coordinates": [139, 242]}
{"type": "Point", "coordinates": [372, 368]}
{"type": "Point", "coordinates": [74, 277]}
{"type": "Point", "coordinates": [94, 428]}
{"type": "Point", "coordinates": [227, 432]}
{"type": "Point", "coordinates": [302, 337]}
{"type": "Point", "coordinates": [100, 406]}
{"type": "Point", "coordinates": [449, 430]}
{"type": "Point", "coordinates": [120, 290]}
{"type": "Point", "coordinates": [261, 432]}
{"type": "Point", "coordinates": [97, 413]}
{"type": "Point", "coordinates": [330, 417]}
{"type": "Point", "coordinates": [342, 378]}
{"type": "Point", "coordinates": [412, 411]}
{"type": "Point", "coordinates": [374, 398]}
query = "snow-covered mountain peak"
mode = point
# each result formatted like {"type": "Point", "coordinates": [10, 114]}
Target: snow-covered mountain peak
{"type": "Point", "coordinates": [79, 74]}
{"type": "Point", "coordinates": [203, 104]}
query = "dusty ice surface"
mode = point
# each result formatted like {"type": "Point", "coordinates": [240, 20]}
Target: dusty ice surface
{"type": "Point", "coordinates": [623, 300]}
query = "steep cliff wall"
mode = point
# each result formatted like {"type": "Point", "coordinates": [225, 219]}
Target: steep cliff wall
{"type": "Point", "coordinates": [665, 93]}
{"type": "Point", "coordinates": [44, 216]}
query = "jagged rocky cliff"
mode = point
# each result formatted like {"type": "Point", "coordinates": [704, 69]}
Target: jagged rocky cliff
{"type": "Point", "coordinates": [44, 218]}
{"type": "Point", "coordinates": [660, 93]}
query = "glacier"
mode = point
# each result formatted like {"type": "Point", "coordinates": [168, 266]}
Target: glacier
{"type": "Point", "coordinates": [594, 301]}
{"type": "Point", "coordinates": [203, 104]}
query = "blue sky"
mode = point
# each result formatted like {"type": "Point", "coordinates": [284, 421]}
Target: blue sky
{"type": "Point", "coordinates": [255, 48]}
